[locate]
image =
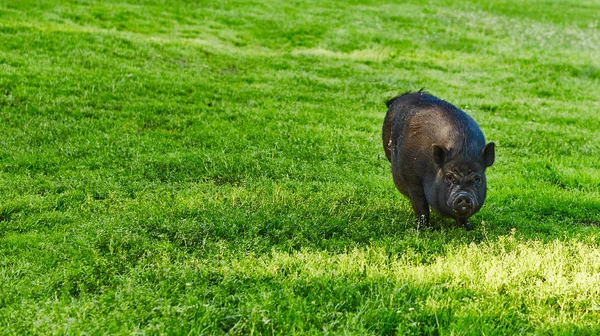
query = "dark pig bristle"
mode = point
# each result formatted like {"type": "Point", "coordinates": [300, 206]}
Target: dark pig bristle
{"type": "Point", "coordinates": [438, 156]}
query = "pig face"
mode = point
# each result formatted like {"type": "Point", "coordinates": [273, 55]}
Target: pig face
{"type": "Point", "coordinates": [459, 188]}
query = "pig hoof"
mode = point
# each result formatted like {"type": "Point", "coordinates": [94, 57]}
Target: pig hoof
{"type": "Point", "coordinates": [422, 223]}
{"type": "Point", "coordinates": [468, 227]}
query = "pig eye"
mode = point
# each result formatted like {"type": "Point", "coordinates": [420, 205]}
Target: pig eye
{"type": "Point", "coordinates": [477, 180]}
{"type": "Point", "coordinates": [450, 179]}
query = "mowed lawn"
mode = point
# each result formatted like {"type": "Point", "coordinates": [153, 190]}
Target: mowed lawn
{"type": "Point", "coordinates": [212, 167]}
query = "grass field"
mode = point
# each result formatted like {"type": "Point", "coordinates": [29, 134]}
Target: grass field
{"type": "Point", "coordinates": [169, 167]}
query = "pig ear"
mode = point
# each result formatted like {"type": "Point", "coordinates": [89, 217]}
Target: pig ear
{"type": "Point", "coordinates": [439, 155]}
{"type": "Point", "coordinates": [488, 154]}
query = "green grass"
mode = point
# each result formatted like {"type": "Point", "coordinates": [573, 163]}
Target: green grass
{"type": "Point", "coordinates": [177, 168]}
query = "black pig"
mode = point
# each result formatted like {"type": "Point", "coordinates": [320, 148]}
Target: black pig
{"type": "Point", "coordinates": [438, 156]}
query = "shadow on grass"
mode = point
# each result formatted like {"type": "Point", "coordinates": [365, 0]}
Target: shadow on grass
{"type": "Point", "coordinates": [349, 220]}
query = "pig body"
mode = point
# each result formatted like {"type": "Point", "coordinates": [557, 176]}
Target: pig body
{"type": "Point", "coordinates": [438, 156]}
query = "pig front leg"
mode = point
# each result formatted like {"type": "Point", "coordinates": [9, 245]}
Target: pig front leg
{"type": "Point", "coordinates": [464, 222]}
{"type": "Point", "coordinates": [421, 208]}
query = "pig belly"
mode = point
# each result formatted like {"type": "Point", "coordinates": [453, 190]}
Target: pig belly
{"type": "Point", "coordinates": [399, 179]}
{"type": "Point", "coordinates": [400, 184]}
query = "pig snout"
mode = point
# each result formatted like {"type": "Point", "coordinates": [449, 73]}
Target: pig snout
{"type": "Point", "coordinates": [464, 204]}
